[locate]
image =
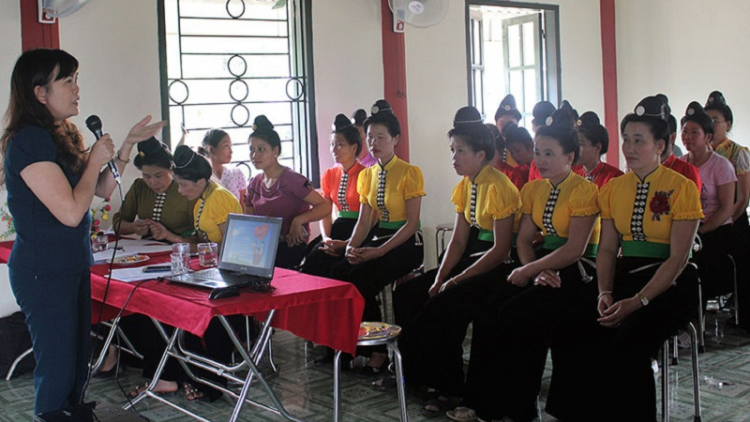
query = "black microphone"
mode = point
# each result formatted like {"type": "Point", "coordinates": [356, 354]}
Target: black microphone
{"type": "Point", "coordinates": [94, 123]}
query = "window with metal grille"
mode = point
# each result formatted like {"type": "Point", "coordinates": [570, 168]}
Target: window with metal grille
{"type": "Point", "coordinates": [224, 62]}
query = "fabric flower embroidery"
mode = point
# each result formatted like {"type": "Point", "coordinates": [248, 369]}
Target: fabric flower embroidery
{"type": "Point", "coordinates": [659, 204]}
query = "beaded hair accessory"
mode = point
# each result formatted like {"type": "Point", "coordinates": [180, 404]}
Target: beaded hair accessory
{"type": "Point", "coordinates": [192, 156]}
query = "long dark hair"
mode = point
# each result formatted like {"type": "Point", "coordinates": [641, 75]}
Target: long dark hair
{"type": "Point", "coordinates": [36, 68]}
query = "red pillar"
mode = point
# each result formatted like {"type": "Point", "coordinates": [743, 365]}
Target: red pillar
{"type": "Point", "coordinates": [394, 76]}
{"type": "Point", "coordinates": [609, 67]}
{"type": "Point", "coordinates": [33, 33]}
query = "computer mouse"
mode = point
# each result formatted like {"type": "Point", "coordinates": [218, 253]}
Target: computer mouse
{"type": "Point", "coordinates": [223, 293]}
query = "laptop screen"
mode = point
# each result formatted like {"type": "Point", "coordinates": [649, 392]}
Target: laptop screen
{"type": "Point", "coordinates": [250, 244]}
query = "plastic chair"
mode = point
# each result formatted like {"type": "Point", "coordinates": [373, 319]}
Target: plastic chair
{"type": "Point", "coordinates": [386, 336]}
{"type": "Point", "coordinates": [696, 375]}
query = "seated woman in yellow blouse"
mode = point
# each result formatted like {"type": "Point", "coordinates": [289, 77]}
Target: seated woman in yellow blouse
{"type": "Point", "coordinates": [393, 189]}
{"type": "Point", "coordinates": [564, 206]}
{"type": "Point", "coordinates": [192, 172]}
{"type": "Point", "coordinates": [646, 291]}
{"type": "Point", "coordinates": [435, 323]}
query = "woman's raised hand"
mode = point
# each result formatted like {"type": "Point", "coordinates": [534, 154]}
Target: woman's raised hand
{"type": "Point", "coordinates": [142, 130]}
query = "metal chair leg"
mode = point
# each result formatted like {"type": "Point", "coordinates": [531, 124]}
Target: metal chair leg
{"type": "Point", "coordinates": [736, 297]}
{"type": "Point", "coordinates": [665, 382]}
{"type": "Point", "coordinates": [400, 381]}
{"type": "Point", "coordinates": [336, 386]}
{"type": "Point", "coordinates": [696, 373]}
{"type": "Point", "coordinates": [16, 362]}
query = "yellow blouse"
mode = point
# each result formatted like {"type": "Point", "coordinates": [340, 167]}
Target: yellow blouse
{"type": "Point", "coordinates": [737, 154]}
{"type": "Point", "coordinates": [403, 181]}
{"type": "Point", "coordinates": [666, 196]}
{"type": "Point", "coordinates": [212, 208]}
{"type": "Point", "coordinates": [576, 197]}
{"type": "Point", "coordinates": [495, 198]}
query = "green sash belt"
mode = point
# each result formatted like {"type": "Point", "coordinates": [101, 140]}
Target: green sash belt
{"type": "Point", "coordinates": [395, 225]}
{"type": "Point", "coordinates": [349, 214]}
{"type": "Point", "coordinates": [554, 242]}
{"type": "Point", "coordinates": [645, 249]}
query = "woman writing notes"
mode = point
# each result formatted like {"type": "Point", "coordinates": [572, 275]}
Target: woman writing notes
{"type": "Point", "coordinates": [51, 179]}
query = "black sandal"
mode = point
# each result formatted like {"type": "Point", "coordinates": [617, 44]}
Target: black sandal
{"type": "Point", "coordinates": [385, 384]}
{"type": "Point", "coordinates": [438, 405]}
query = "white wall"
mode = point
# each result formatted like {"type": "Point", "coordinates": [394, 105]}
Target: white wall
{"type": "Point", "coordinates": [684, 49]}
{"type": "Point", "coordinates": [116, 44]}
{"type": "Point", "coordinates": [437, 87]}
{"type": "Point", "coordinates": [10, 49]}
{"type": "Point", "coordinates": [347, 54]}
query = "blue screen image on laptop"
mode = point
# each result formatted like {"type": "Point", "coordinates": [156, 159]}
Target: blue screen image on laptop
{"type": "Point", "coordinates": [250, 243]}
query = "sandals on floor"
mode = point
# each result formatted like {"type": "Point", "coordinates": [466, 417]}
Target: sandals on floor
{"type": "Point", "coordinates": [192, 393]}
{"type": "Point", "coordinates": [135, 392]}
{"type": "Point", "coordinates": [438, 405]}
{"type": "Point", "coordinates": [462, 414]}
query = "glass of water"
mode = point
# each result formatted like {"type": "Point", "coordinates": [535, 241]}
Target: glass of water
{"type": "Point", "coordinates": [208, 254]}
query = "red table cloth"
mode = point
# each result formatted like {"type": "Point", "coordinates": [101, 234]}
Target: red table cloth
{"type": "Point", "coordinates": [318, 309]}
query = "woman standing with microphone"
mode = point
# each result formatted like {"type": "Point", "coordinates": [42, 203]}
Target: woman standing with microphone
{"type": "Point", "coordinates": [51, 181]}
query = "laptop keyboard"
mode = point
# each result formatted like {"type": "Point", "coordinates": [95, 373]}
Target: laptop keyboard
{"type": "Point", "coordinates": [230, 277]}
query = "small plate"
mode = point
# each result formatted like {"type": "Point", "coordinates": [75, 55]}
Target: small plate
{"type": "Point", "coordinates": [130, 259]}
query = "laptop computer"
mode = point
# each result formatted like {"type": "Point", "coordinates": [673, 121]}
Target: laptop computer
{"type": "Point", "coordinates": [247, 256]}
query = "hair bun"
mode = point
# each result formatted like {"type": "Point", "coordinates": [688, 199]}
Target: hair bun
{"type": "Point", "coordinates": [341, 122]}
{"type": "Point", "coordinates": [262, 124]}
{"type": "Point", "coordinates": [381, 106]}
{"type": "Point", "coordinates": [150, 146]}
{"type": "Point", "coordinates": [588, 119]}
{"type": "Point", "coordinates": [666, 102]}
{"type": "Point", "coordinates": [716, 98]}
{"type": "Point", "coordinates": [542, 110]}
{"type": "Point", "coordinates": [359, 117]}
{"type": "Point", "coordinates": [562, 118]}
{"type": "Point", "coordinates": [183, 155]}
{"type": "Point", "coordinates": [654, 107]}
{"type": "Point", "coordinates": [565, 105]}
{"type": "Point", "coordinates": [466, 116]}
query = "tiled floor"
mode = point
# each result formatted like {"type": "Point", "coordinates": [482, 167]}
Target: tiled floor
{"type": "Point", "coordinates": [306, 388]}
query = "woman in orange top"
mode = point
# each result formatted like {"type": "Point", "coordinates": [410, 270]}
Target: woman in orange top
{"type": "Point", "coordinates": [339, 186]}
{"type": "Point", "coordinates": [594, 141]}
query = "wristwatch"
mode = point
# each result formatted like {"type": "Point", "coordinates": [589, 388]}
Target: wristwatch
{"type": "Point", "coordinates": [642, 298]}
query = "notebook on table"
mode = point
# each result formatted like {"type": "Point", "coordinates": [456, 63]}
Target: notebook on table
{"type": "Point", "coordinates": [246, 258]}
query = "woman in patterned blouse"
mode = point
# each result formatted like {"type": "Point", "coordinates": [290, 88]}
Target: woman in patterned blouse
{"type": "Point", "coordinates": [392, 189]}
{"type": "Point", "coordinates": [563, 205]}
{"type": "Point", "coordinates": [646, 292]}
{"type": "Point", "coordinates": [339, 187]}
{"type": "Point", "coordinates": [153, 207]}
{"type": "Point", "coordinates": [435, 309]}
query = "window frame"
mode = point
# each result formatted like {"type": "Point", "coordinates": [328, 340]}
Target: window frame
{"type": "Point", "coordinates": [304, 127]}
{"type": "Point", "coordinates": [549, 50]}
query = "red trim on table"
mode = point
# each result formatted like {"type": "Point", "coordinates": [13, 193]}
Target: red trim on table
{"type": "Point", "coordinates": [394, 77]}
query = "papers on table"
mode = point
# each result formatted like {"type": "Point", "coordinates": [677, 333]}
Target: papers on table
{"type": "Point", "coordinates": [135, 274]}
{"type": "Point", "coordinates": [128, 247]}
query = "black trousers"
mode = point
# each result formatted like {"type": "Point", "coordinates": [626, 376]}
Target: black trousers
{"type": "Point", "coordinates": [432, 346]}
{"type": "Point", "coordinates": [143, 334]}
{"type": "Point", "coordinates": [370, 277]}
{"type": "Point", "coordinates": [714, 266]}
{"type": "Point", "coordinates": [318, 262]}
{"type": "Point", "coordinates": [740, 251]}
{"type": "Point", "coordinates": [505, 373]}
{"type": "Point", "coordinates": [607, 371]}
{"type": "Point", "coordinates": [410, 296]}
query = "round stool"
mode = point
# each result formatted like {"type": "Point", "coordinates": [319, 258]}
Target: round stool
{"type": "Point", "coordinates": [373, 334]}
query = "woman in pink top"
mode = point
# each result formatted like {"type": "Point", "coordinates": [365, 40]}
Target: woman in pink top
{"type": "Point", "coordinates": [281, 192]}
{"type": "Point", "coordinates": [717, 200]}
